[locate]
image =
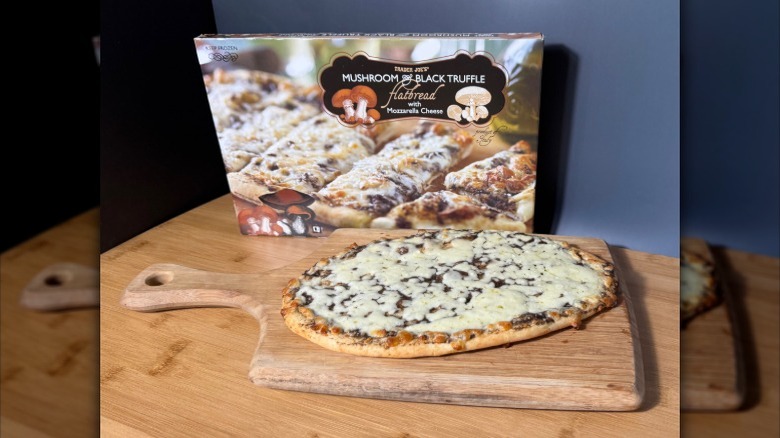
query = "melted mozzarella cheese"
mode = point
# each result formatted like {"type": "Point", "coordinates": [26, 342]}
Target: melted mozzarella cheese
{"type": "Point", "coordinates": [448, 284]}
{"type": "Point", "coordinates": [310, 156]}
{"type": "Point", "coordinates": [402, 170]}
{"type": "Point", "coordinates": [235, 95]}
{"type": "Point", "coordinates": [259, 132]}
{"type": "Point", "coordinates": [693, 278]}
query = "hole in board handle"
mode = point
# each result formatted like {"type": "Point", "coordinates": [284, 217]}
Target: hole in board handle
{"type": "Point", "coordinates": [53, 280]}
{"type": "Point", "coordinates": [159, 278]}
{"type": "Point", "coordinates": [57, 279]}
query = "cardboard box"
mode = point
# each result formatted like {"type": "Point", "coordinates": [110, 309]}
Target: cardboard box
{"type": "Point", "coordinates": [322, 131]}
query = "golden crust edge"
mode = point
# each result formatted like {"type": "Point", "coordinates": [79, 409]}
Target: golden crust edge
{"type": "Point", "coordinates": [298, 324]}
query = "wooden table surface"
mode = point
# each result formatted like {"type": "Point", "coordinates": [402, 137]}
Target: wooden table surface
{"type": "Point", "coordinates": [184, 373]}
{"type": "Point", "coordinates": [48, 360]}
{"type": "Point", "coordinates": [197, 385]}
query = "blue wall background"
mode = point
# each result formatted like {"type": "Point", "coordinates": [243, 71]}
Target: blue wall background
{"type": "Point", "coordinates": [610, 98]}
{"type": "Point", "coordinates": [731, 112]}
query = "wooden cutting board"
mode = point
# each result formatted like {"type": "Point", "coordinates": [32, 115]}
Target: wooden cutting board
{"type": "Point", "coordinates": [711, 361]}
{"type": "Point", "coordinates": [598, 367]}
{"type": "Point", "coordinates": [62, 286]}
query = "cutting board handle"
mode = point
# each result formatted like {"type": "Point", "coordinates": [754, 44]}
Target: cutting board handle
{"type": "Point", "coordinates": [62, 286]}
{"type": "Point", "coordinates": [169, 286]}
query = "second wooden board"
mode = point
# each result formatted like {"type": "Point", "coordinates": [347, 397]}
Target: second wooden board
{"type": "Point", "coordinates": [598, 367]}
{"type": "Point", "coordinates": [712, 377]}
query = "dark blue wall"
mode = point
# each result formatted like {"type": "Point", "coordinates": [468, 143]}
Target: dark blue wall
{"type": "Point", "coordinates": [730, 137]}
{"type": "Point", "coordinates": [610, 98]}
{"type": "Point", "coordinates": [158, 149]}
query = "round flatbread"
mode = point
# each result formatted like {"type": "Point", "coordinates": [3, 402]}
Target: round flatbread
{"type": "Point", "coordinates": [447, 291]}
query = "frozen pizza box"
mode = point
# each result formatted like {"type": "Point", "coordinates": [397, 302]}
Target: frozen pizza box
{"type": "Point", "coordinates": [326, 131]}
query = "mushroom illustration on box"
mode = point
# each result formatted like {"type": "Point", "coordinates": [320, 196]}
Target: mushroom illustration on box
{"type": "Point", "coordinates": [475, 99]}
{"type": "Point", "coordinates": [365, 97]}
{"type": "Point", "coordinates": [324, 131]}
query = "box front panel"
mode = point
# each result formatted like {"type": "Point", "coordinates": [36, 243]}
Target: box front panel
{"type": "Point", "coordinates": [327, 132]}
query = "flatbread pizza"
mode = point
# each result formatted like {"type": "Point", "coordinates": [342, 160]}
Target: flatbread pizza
{"type": "Point", "coordinates": [441, 292]}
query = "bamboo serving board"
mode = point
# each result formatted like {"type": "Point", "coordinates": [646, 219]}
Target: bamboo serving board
{"type": "Point", "coordinates": [598, 367]}
{"type": "Point", "coordinates": [711, 367]}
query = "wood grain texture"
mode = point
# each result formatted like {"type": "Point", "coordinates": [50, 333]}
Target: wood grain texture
{"type": "Point", "coordinates": [183, 373]}
{"type": "Point", "coordinates": [48, 360]}
{"type": "Point", "coordinates": [711, 363]}
{"type": "Point", "coordinates": [62, 286]}
{"type": "Point", "coordinates": [531, 374]}
{"type": "Point", "coordinates": [754, 282]}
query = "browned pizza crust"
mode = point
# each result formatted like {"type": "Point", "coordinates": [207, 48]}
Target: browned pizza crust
{"type": "Point", "coordinates": [406, 345]}
{"type": "Point", "coordinates": [403, 344]}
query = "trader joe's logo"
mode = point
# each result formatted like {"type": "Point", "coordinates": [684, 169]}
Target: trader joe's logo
{"type": "Point", "coordinates": [465, 88]}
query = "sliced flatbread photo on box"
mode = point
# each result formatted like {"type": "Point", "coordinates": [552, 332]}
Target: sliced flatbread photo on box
{"type": "Point", "coordinates": [236, 95]}
{"type": "Point", "coordinates": [444, 209]}
{"type": "Point", "coordinates": [505, 181]}
{"type": "Point", "coordinates": [402, 171]}
{"type": "Point", "coordinates": [259, 132]}
{"type": "Point", "coordinates": [313, 154]}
